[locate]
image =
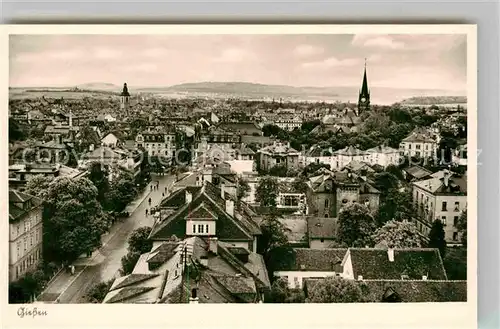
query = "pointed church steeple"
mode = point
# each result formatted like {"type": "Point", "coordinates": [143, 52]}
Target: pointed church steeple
{"type": "Point", "coordinates": [124, 99]}
{"type": "Point", "coordinates": [364, 94]}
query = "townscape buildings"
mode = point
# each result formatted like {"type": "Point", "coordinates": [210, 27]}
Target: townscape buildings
{"type": "Point", "coordinates": [247, 177]}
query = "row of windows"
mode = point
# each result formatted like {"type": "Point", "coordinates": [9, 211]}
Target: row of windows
{"type": "Point", "coordinates": [29, 223]}
{"type": "Point", "coordinates": [444, 206]}
{"type": "Point", "coordinates": [28, 262]}
{"type": "Point", "coordinates": [34, 238]}
{"type": "Point", "coordinates": [201, 228]}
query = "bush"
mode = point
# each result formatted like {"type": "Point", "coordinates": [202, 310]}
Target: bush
{"type": "Point", "coordinates": [99, 291]}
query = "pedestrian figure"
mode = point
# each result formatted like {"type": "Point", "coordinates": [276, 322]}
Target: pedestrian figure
{"type": "Point", "coordinates": [163, 195]}
{"type": "Point", "coordinates": [146, 212]}
{"type": "Point", "coordinates": [72, 270]}
{"type": "Point", "coordinates": [149, 201]}
{"type": "Point", "coordinates": [165, 189]}
{"type": "Point", "coordinates": [151, 187]}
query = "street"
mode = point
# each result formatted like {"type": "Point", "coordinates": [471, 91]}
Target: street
{"type": "Point", "coordinates": [105, 263]}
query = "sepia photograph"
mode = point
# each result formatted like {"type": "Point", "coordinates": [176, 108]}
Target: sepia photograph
{"type": "Point", "coordinates": [258, 168]}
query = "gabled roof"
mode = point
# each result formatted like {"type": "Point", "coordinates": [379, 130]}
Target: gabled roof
{"type": "Point", "coordinates": [16, 199]}
{"type": "Point", "coordinates": [374, 264]}
{"type": "Point", "coordinates": [350, 151]}
{"type": "Point", "coordinates": [315, 260]}
{"type": "Point", "coordinates": [437, 185]}
{"type": "Point", "coordinates": [382, 149]}
{"type": "Point", "coordinates": [239, 227]}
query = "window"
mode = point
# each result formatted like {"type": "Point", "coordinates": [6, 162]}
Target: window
{"type": "Point", "coordinates": [455, 236]}
{"type": "Point", "coordinates": [18, 229]}
{"type": "Point", "coordinates": [326, 215]}
{"type": "Point", "coordinates": [457, 206]}
{"type": "Point", "coordinates": [194, 228]}
{"type": "Point", "coordinates": [25, 244]}
{"type": "Point", "coordinates": [443, 219]}
{"type": "Point", "coordinates": [31, 240]}
{"type": "Point", "coordinates": [326, 203]}
{"type": "Point", "coordinates": [200, 228]}
{"type": "Point", "coordinates": [444, 206]}
{"type": "Point", "coordinates": [455, 221]}
{"type": "Point", "coordinates": [296, 282]}
{"type": "Point", "coordinates": [409, 146]}
{"type": "Point", "coordinates": [417, 153]}
{"type": "Point", "coordinates": [426, 147]}
{"type": "Point", "coordinates": [206, 228]}
{"type": "Point", "coordinates": [417, 147]}
{"type": "Point", "coordinates": [18, 248]}
{"type": "Point", "coordinates": [322, 240]}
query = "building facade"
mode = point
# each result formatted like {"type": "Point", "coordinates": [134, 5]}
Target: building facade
{"type": "Point", "coordinates": [25, 234]}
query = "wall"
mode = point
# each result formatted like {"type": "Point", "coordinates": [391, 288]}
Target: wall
{"type": "Point", "coordinates": [317, 244]}
{"type": "Point", "coordinates": [351, 195]}
{"type": "Point", "coordinates": [295, 278]}
{"type": "Point", "coordinates": [211, 227]}
{"type": "Point", "coordinates": [450, 213]}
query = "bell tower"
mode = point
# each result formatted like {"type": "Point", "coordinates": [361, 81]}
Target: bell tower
{"type": "Point", "coordinates": [124, 99]}
{"type": "Point", "coordinates": [364, 95]}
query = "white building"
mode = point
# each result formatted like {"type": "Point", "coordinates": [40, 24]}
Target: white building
{"type": "Point", "coordinates": [419, 144]}
{"type": "Point", "coordinates": [110, 140]}
{"type": "Point", "coordinates": [383, 156]}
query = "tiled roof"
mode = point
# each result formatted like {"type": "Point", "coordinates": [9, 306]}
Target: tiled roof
{"type": "Point", "coordinates": [382, 149]}
{"type": "Point", "coordinates": [278, 148]}
{"type": "Point", "coordinates": [374, 264]}
{"type": "Point", "coordinates": [408, 291]}
{"type": "Point", "coordinates": [319, 227]}
{"type": "Point", "coordinates": [456, 185]}
{"type": "Point", "coordinates": [418, 172]}
{"type": "Point", "coordinates": [17, 197]}
{"type": "Point", "coordinates": [350, 151]}
{"type": "Point", "coordinates": [316, 260]}
{"type": "Point", "coordinates": [163, 252]}
{"type": "Point", "coordinates": [239, 227]}
{"type": "Point", "coordinates": [131, 279]}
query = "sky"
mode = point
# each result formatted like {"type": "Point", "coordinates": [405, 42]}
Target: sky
{"type": "Point", "coordinates": [417, 61]}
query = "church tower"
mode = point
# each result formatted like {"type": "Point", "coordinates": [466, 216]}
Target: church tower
{"type": "Point", "coordinates": [364, 95]}
{"type": "Point", "coordinates": [124, 99]}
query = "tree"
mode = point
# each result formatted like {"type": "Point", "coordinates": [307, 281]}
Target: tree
{"type": "Point", "coordinates": [356, 226]}
{"type": "Point", "coordinates": [385, 181]}
{"type": "Point", "coordinates": [462, 227]}
{"type": "Point", "coordinates": [99, 291]}
{"type": "Point", "coordinates": [243, 189]}
{"type": "Point", "coordinates": [98, 175]}
{"type": "Point", "coordinates": [267, 192]}
{"type": "Point", "coordinates": [38, 186]}
{"type": "Point", "coordinates": [88, 136]}
{"type": "Point", "coordinates": [402, 234]}
{"type": "Point", "coordinates": [436, 237]}
{"type": "Point", "coordinates": [395, 205]}
{"type": "Point", "coordinates": [138, 240]}
{"type": "Point", "coordinates": [299, 184]}
{"type": "Point", "coordinates": [15, 131]}
{"type": "Point", "coordinates": [335, 290]}
{"type": "Point", "coordinates": [273, 234]}
{"type": "Point", "coordinates": [73, 219]}
{"type": "Point", "coordinates": [122, 192]}
{"type": "Point", "coordinates": [281, 293]}
{"type": "Point", "coordinates": [128, 262]}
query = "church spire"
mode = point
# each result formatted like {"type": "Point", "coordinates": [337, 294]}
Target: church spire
{"type": "Point", "coordinates": [125, 90]}
{"type": "Point", "coordinates": [364, 94]}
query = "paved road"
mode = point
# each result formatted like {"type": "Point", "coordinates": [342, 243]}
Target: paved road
{"type": "Point", "coordinates": [106, 262]}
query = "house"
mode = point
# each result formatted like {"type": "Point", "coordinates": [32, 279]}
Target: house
{"type": "Point", "coordinates": [317, 155]}
{"type": "Point", "coordinates": [346, 155]}
{"type": "Point", "coordinates": [278, 154]}
{"type": "Point", "coordinates": [321, 232]}
{"type": "Point", "coordinates": [25, 234]}
{"type": "Point", "coordinates": [393, 264]}
{"type": "Point", "coordinates": [383, 156]}
{"type": "Point", "coordinates": [442, 197]}
{"type": "Point", "coordinates": [62, 133]}
{"type": "Point", "coordinates": [419, 143]}
{"type": "Point", "coordinates": [328, 192]}
{"type": "Point", "coordinates": [206, 211]}
{"type": "Point", "coordinates": [157, 142]}
{"type": "Point", "coordinates": [194, 270]}
{"type": "Point", "coordinates": [110, 140]}
{"type": "Point", "coordinates": [20, 174]}
{"type": "Point", "coordinates": [459, 156]}
{"type": "Point", "coordinates": [305, 263]}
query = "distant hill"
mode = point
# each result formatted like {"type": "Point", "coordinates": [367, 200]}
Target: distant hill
{"type": "Point", "coordinates": [100, 86]}
{"type": "Point", "coordinates": [435, 100]}
{"type": "Point", "coordinates": [245, 90]}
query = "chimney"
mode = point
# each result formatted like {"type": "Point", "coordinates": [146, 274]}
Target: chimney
{"type": "Point", "coordinates": [230, 207]}
{"type": "Point", "coordinates": [390, 254]}
{"type": "Point", "coordinates": [446, 178]}
{"type": "Point", "coordinates": [222, 190]}
{"type": "Point", "coordinates": [189, 197]}
{"type": "Point", "coordinates": [212, 245]}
